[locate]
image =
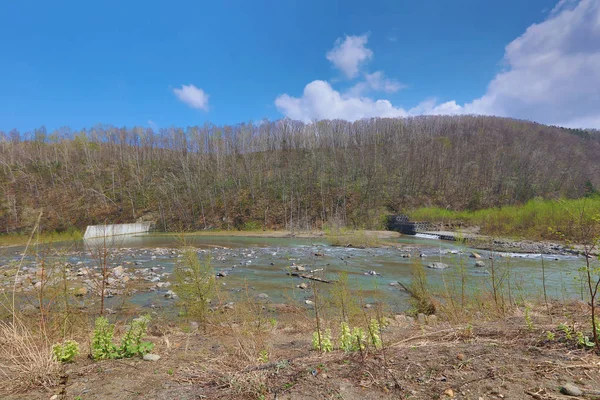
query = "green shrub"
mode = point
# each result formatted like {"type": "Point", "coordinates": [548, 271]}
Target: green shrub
{"type": "Point", "coordinates": [326, 343]}
{"type": "Point", "coordinates": [346, 339]}
{"type": "Point", "coordinates": [65, 352]}
{"type": "Point", "coordinates": [131, 343]}
{"type": "Point", "coordinates": [358, 334]}
{"type": "Point", "coordinates": [102, 340]}
{"type": "Point", "coordinates": [252, 226]}
{"type": "Point", "coordinates": [195, 284]}
{"type": "Point", "coordinates": [532, 219]}
{"type": "Point", "coordinates": [354, 341]}
{"type": "Point", "coordinates": [375, 334]}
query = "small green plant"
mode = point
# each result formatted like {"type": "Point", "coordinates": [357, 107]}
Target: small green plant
{"type": "Point", "coordinates": [358, 334]}
{"type": "Point", "coordinates": [131, 344]}
{"type": "Point", "coordinates": [566, 330]}
{"type": "Point", "coordinates": [65, 352]}
{"type": "Point", "coordinates": [467, 331]}
{"type": "Point", "coordinates": [102, 340]}
{"type": "Point", "coordinates": [326, 343]}
{"type": "Point", "coordinates": [550, 335]}
{"type": "Point", "coordinates": [263, 356]}
{"type": "Point", "coordinates": [375, 334]}
{"type": "Point", "coordinates": [170, 372]}
{"type": "Point", "coordinates": [528, 320]}
{"type": "Point", "coordinates": [273, 322]}
{"type": "Point", "coordinates": [346, 339]}
{"type": "Point", "coordinates": [584, 341]}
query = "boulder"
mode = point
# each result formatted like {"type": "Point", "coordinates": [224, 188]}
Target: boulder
{"type": "Point", "coordinates": [437, 265]}
{"type": "Point", "coordinates": [80, 292]}
{"type": "Point", "coordinates": [475, 255]}
{"type": "Point", "coordinates": [571, 390]}
{"type": "Point", "coordinates": [263, 296]}
{"type": "Point", "coordinates": [480, 264]}
{"type": "Point", "coordinates": [151, 357]}
{"type": "Point", "coordinates": [118, 271]}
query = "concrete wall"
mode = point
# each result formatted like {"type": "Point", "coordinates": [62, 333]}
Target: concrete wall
{"type": "Point", "coordinates": [96, 231]}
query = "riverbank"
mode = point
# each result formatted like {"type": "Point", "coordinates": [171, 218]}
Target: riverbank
{"type": "Point", "coordinates": [529, 247]}
{"type": "Point", "coordinates": [520, 355]}
{"type": "Point", "coordinates": [347, 238]}
{"type": "Point", "coordinates": [13, 240]}
{"type": "Point", "coordinates": [536, 220]}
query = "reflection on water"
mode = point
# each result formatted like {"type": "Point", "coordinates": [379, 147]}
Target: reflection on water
{"type": "Point", "coordinates": [259, 265]}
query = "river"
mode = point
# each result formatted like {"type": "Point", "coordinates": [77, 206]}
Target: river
{"type": "Point", "coordinates": [259, 265]}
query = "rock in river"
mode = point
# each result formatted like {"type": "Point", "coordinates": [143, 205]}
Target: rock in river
{"type": "Point", "coordinates": [437, 265]}
{"type": "Point", "coordinates": [118, 271]}
{"type": "Point", "coordinates": [480, 264]}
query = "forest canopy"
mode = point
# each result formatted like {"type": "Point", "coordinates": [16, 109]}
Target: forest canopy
{"type": "Point", "coordinates": [287, 174]}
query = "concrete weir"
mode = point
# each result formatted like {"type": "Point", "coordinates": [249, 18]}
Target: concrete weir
{"type": "Point", "coordinates": [102, 231]}
{"type": "Point", "coordinates": [402, 224]}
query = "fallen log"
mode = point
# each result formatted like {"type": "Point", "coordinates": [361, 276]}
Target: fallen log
{"type": "Point", "coordinates": [312, 278]}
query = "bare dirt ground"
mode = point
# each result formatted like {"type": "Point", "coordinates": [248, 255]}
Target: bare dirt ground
{"type": "Point", "coordinates": [500, 359]}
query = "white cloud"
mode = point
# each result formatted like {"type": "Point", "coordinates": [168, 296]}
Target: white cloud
{"type": "Point", "coordinates": [430, 107]}
{"type": "Point", "coordinates": [192, 96]}
{"type": "Point", "coordinates": [563, 5]}
{"type": "Point", "coordinates": [377, 81]}
{"type": "Point", "coordinates": [349, 54]}
{"type": "Point", "coordinates": [552, 75]}
{"type": "Point", "coordinates": [553, 70]}
{"type": "Point", "coordinates": [320, 101]}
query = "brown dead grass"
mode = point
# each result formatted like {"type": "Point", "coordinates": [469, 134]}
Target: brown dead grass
{"type": "Point", "coordinates": [25, 361]}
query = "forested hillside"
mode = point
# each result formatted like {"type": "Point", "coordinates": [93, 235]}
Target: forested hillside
{"type": "Point", "coordinates": [286, 174]}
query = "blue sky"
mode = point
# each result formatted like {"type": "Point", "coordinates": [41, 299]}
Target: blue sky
{"type": "Point", "coordinates": [126, 63]}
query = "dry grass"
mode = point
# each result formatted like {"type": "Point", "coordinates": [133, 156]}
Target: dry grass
{"type": "Point", "coordinates": [226, 378]}
{"type": "Point", "coordinates": [25, 361]}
